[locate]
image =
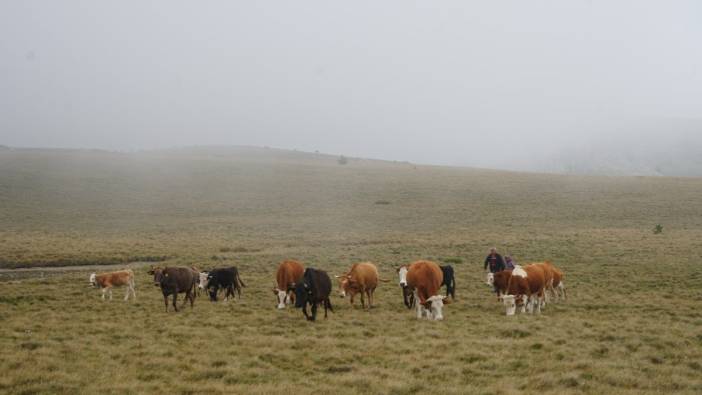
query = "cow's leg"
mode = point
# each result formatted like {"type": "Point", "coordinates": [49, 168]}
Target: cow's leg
{"type": "Point", "coordinates": [562, 288]}
{"type": "Point", "coordinates": [132, 287]}
{"type": "Point", "coordinates": [304, 311]}
{"type": "Point", "coordinates": [314, 311]}
{"type": "Point", "coordinates": [165, 300]}
{"type": "Point", "coordinates": [370, 297]}
{"type": "Point", "coordinates": [175, 297]}
{"type": "Point", "coordinates": [126, 295]}
{"type": "Point", "coordinates": [419, 309]}
{"type": "Point", "coordinates": [324, 302]}
{"type": "Point", "coordinates": [363, 301]}
{"type": "Point", "coordinates": [103, 293]}
{"type": "Point", "coordinates": [191, 297]}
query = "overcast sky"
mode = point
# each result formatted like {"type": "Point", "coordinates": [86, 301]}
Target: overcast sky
{"type": "Point", "coordinates": [446, 82]}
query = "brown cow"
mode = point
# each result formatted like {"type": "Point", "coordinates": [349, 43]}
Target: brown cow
{"type": "Point", "coordinates": [500, 280]}
{"type": "Point", "coordinates": [425, 277]}
{"type": "Point", "coordinates": [556, 287]}
{"type": "Point", "coordinates": [525, 288]}
{"type": "Point", "coordinates": [548, 279]}
{"type": "Point", "coordinates": [175, 280]}
{"type": "Point", "coordinates": [361, 278]}
{"type": "Point", "coordinates": [289, 273]}
{"type": "Point", "coordinates": [106, 281]}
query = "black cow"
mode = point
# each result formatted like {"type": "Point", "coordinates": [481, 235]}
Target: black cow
{"type": "Point", "coordinates": [449, 281]}
{"type": "Point", "coordinates": [175, 280]}
{"type": "Point", "coordinates": [314, 288]}
{"type": "Point", "coordinates": [226, 278]}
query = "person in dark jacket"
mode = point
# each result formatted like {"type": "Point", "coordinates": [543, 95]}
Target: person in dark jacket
{"type": "Point", "coordinates": [494, 261]}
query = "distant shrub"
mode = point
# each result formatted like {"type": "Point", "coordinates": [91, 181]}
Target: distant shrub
{"type": "Point", "coordinates": [657, 229]}
{"type": "Point", "coordinates": [342, 160]}
{"type": "Point", "coordinates": [383, 202]}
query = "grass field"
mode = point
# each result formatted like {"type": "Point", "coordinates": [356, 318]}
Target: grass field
{"type": "Point", "coordinates": [632, 323]}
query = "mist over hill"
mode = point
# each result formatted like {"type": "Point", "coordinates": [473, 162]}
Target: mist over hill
{"type": "Point", "coordinates": [654, 147]}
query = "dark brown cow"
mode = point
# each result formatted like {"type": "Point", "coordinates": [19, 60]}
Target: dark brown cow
{"type": "Point", "coordinates": [289, 273]}
{"type": "Point", "coordinates": [175, 280]}
{"type": "Point", "coordinates": [425, 277]}
{"type": "Point", "coordinates": [525, 288]}
{"type": "Point", "coordinates": [361, 278]}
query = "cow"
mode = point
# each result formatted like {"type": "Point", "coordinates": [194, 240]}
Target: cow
{"type": "Point", "coordinates": [547, 267]}
{"type": "Point", "coordinates": [407, 292]}
{"type": "Point", "coordinates": [500, 280]}
{"type": "Point", "coordinates": [449, 281]}
{"type": "Point", "coordinates": [314, 288]}
{"type": "Point", "coordinates": [288, 275]}
{"type": "Point", "coordinates": [525, 289]}
{"type": "Point", "coordinates": [106, 281]}
{"type": "Point", "coordinates": [361, 278]}
{"type": "Point", "coordinates": [425, 278]}
{"type": "Point", "coordinates": [554, 284]}
{"type": "Point", "coordinates": [226, 278]}
{"type": "Point", "coordinates": [175, 280]}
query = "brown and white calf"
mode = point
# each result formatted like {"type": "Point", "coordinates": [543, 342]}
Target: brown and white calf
{"type": "Point", "coordinates": [106, 281]}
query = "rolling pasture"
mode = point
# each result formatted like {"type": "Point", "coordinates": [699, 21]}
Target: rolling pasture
{"type": "Point", "coordinates": [632, 323]}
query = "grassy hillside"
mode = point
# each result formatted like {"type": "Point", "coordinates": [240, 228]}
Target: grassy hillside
{"type": "Point", "coordinates": [632, 324]}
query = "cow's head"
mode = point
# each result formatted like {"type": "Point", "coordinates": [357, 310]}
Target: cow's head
{"type": "Point", "coordinates": [92, 280]}
{"type": "Point", "coordinates": [282, 296]}
{"type": "Point", "coordinates": [303, 293]}
{"type": "Point", "coordinates": [158, 274]}
{"type": "Point", "coordinates": [435, 305]}
{"type": "Point", "coordinates": [510, 304]}
{"type": "Point", "coordinates": [402, 272]}
{"type": "Point", "coordinates": [202, 281]}
{"type": "Point", "coordinates": [490, 279]}
{"type": "Point", "coordinates": [345, 284]}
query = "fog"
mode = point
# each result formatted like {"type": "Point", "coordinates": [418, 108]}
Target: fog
{"type": "Point", "coordinates": [517, 85]}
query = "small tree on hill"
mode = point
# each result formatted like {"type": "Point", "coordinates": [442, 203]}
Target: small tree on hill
{"type": "Point", "coordinates": [342, 160]}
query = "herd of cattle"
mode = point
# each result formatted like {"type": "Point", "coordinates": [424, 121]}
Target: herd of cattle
{"type": "Point", "coordinates": [527, 287]}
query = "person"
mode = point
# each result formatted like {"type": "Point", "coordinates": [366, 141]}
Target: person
{"type": "Point", "coordinates": [494, 261]}
{"type": "Point", "coordinates": [509, 263]}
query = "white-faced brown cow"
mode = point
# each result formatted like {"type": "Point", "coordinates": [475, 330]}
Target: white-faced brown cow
{"type": "Point", "coordinates": [106, 281]}
{"type": "Point", "coordinates": [289, 273]}
{"type": "Point", "coordinates": [361, 278]}
{"type": "Point", "coordinates": [525, 289]}
{"type": "Point", "coordinates": [425, 277]}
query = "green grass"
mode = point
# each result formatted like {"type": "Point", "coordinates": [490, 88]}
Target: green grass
{"type": "Point", "coordinates": [632, 324]}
